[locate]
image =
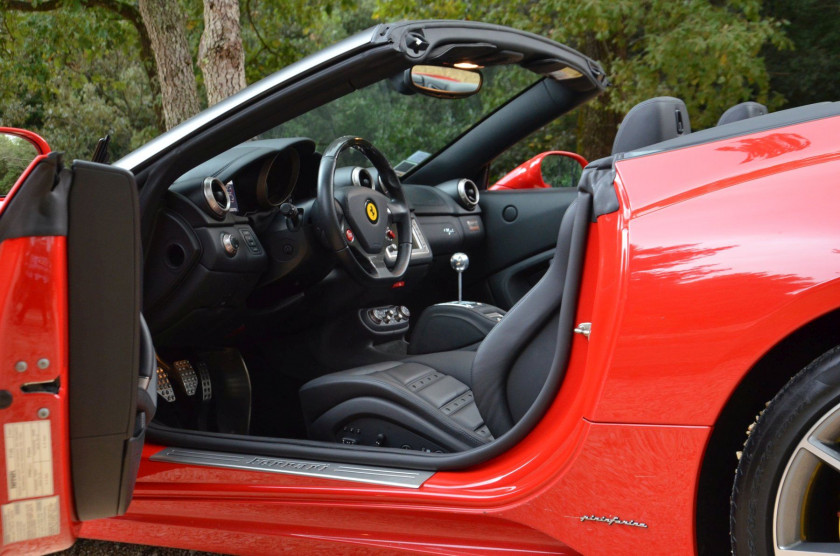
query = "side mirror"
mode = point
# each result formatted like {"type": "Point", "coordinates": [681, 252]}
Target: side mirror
{"type": "Point", "coordinates": [18, 148]}
{"type": "Point", "coordinates": [444, 82]}
{"type": "Point", "coordinates": [548, 169]}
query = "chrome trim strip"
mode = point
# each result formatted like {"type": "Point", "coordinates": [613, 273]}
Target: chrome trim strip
{"type": "Point", "coordinates": [419, 239]}
{"type": "Point", "coordinates": [210, 199]}
{"type": "Point", "coordinates": [218, 111]}
{"type": "Point", "coordinates": [357, 473]}
{"type": "Point", "coordinates": [422, 245]}
{"type": "Point", "coordinates": [462, 193]}
{"type": "Point", "coordinates": [356, 177]}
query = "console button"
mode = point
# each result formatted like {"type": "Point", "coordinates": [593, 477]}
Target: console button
{"type": "Point", "coordinates": [230, 244]}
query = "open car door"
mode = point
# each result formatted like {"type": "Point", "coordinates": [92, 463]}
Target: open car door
{"type": "Point", "coordinates": [77, 381]}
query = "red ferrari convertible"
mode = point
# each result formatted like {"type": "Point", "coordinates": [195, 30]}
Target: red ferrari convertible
{"type": "Point", "coordinates": [313, 318]}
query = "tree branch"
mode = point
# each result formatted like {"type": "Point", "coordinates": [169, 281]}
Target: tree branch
{"type": "Point", "coordinates": [260, 38]}
{"type": "Point", "coordinates": [128, 12]}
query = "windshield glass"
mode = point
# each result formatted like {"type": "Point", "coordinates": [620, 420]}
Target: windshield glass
{"type": "Point", "coordinates": [408, 129]}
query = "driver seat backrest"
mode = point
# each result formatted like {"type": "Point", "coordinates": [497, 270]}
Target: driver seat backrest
{"type": "Point", "coordinates": [513, 361]}
{"type": "Point", "coordinates": [652, 121]}
{"type": "Point", "coordinates": [457, 399]}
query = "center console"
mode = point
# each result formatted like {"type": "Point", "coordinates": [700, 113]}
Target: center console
{"type": "Point", "coordinates": [453, 325]}
{"type": "Point", "coordinates": [456, 324]}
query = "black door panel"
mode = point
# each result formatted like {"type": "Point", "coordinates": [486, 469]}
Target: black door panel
{"type": "Point", "coordinates": [521, 230]}
{"type": "Point", "coordinates": [509, 284]}
{"type": "Point", "coordinates": [103, 258]}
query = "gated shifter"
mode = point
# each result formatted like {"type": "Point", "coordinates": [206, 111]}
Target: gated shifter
{"type": "Point", "coordinates": [459, 262]}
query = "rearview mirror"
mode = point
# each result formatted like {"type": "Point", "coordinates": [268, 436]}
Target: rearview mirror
{"type": "Point", "coordinates": [445, 82]}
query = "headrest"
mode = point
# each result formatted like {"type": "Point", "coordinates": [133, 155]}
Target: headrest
{"type": "Point", "coordinates": [742, 112]}
{"type": "Point", "coordinates": [654, 120]}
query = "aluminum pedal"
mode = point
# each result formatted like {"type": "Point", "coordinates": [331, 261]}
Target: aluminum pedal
{"type": "Point", "coordinates": [164, 387]}
{"type": "Point", "coordinates": [186, 375]}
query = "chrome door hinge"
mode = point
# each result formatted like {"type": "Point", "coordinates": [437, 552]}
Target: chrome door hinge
{"type": "Point", "coordinates": [584, 328]}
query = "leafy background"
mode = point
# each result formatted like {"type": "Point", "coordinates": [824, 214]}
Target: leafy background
{"type": "Point", "coordinates": [75, 73]}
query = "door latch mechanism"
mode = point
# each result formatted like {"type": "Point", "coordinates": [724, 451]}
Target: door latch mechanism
{"type": "Point", "coordinates": [584, 329]}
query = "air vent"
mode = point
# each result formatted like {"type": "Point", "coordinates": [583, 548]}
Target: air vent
{"type": "Point", "coordinates": [468, 193]}
{"type": "Point", "coordinates": [216, 196]}
{"type": "Point", "coordinates": [361, 178]}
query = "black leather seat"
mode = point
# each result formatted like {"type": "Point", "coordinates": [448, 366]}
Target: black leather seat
{"type": "Point", "coordinates": [448, 401]}
{"type": "Point", "coordinates": [652, 121]}
{"type": "Point", "coordinates": [742, 111]}
{"type": "Point", "coordinates": [452, 401]}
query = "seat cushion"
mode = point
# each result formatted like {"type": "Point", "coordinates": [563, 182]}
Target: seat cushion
{"type": "Point", "coordinates": [427, 394]}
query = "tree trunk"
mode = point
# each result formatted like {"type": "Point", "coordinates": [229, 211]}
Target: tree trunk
{"type": "Point", "coordinates": [597, 124]}
{"type": "Point", "coordinates": [220, 53]}
{"type": "Point", "coordinates": [164, 20]}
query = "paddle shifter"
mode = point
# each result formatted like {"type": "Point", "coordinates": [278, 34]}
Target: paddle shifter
{"type": "Point", "coordinates": [460, 262]}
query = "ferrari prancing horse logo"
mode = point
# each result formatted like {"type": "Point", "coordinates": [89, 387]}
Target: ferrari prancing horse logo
{"type": "Point", "coordinates": [372, 212]}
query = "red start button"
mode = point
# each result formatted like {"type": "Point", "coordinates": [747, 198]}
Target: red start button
{"type": "Point", "coordinates": [348, 233]}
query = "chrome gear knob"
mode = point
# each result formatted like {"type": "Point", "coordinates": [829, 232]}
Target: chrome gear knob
{"type": "Point", "coordinates": [459, 262]}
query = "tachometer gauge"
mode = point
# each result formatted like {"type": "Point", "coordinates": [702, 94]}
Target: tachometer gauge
{"type": "Point", "coordinates": [277, 178]}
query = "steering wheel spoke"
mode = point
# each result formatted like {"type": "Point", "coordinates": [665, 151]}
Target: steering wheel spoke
{"type": "Point", "coordinates": [397, 210]}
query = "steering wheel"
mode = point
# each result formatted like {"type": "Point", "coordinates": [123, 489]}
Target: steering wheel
{"type": "Point", "coordinates": [358, 223]}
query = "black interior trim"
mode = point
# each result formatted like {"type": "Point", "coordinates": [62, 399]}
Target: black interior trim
{"type": "Point", "coordinates": [104, 285]}
{"type": "Point", "coordinates": [533, 108]}
{"type": "Point", "coordinates": [301, 96]}
{"type": "Point", "coordinates": [39, 208]}
{"type": "Point", "coordinates": [510, 284]}
{"type": "Point", "coordinates": [513, 240]}
{"type": "Point", "coordinates": [413, 460]}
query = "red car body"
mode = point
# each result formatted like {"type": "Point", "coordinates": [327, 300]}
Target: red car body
{"type": "Point", "coordinates": [687, 287]}
{"type": "Point", "coordinates": [528, 175]}
{"type": "Point", "coordinates": [718, 254]}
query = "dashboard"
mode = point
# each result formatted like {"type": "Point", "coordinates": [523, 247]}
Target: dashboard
{"type": "Point", "coordinates": [235, 239]}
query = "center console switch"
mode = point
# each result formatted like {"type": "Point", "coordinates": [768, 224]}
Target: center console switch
{"type": "Point", "coordinates": [453, 325]}
{"type": "Point", "coordinates": [388, 319]}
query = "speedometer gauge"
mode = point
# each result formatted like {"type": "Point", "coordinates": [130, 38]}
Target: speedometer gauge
{"type": "Point", "coordinates": [277, 178]}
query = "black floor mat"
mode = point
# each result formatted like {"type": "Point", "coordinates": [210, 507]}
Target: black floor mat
{"type": "Point", "coordinates": [275, 409]}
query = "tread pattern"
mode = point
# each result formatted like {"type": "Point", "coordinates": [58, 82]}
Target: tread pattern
{"type": "Point", "coordinates": [768, 447]}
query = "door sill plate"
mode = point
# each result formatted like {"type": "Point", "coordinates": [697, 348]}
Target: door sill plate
{"type": "Point", "coordinates": [361, 474]}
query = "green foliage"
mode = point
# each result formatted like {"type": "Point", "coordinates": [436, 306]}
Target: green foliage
{"type": "Point", "coordinates": [75, 73]}
{"type": "Point", "coordinates": [811, 71]}
{"type": "Point", "coordinates": [400, 124]}
{"type": "Point", "coordinates": [72, 75]}
{"type": "Point", "coordinates": [15, 156]}
{"type": "Point", "coordinates": [705, 52]}
{"type": "Point", "coordinates": [276, 33]}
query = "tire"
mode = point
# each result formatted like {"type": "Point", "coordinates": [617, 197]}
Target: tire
{"type": "Point", "coordinates": [786, 494]}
